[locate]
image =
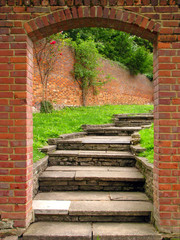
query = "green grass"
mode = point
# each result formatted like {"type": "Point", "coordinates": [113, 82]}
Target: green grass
{"type": "Point", "coordinates": [147, 141]}
{"type": "Point", "coordinates": [69, 120]}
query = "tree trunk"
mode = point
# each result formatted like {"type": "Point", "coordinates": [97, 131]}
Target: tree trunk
{"type": "Point", "coordinates": [44, 98]}
{"type": "Point", "coordinates": [84, 97]}
{"type": "Point", "coordinates": [43, 93]}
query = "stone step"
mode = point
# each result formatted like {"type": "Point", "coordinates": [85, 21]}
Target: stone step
{"type": "Point", "coordinates": [132, 123]}
{"type": "Point", "coordinates": [94, 211]}
{"type": "Point", "coordinates": [67, 178]}
{"type": "Point", "coordinates": [133, 120]}
{"type": "Point", "coordinates": [90, 231]}
{"type": "Point", "coordinates": [124, 231]}
{"type": "Point", "coordinates": [92, 196]}
{"type": "Point", "coordinates": [100, 143]}
{"type": "Point", "coordinates": [113, 131]}
{"type": "Point", "coordinates": [91, 158]}
{"type": "Point", "coordinates": [140, 116]}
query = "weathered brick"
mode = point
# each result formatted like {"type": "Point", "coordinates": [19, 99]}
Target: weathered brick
{"type": "Point", "coordinates": [15, 23]}
{"type": "Point", "coordinates": [68, 14]}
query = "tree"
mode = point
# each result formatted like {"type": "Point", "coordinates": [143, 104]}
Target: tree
{"type": "Point", "coordinates": [85, 67]}
{"type": "Point", "coordinates": [46, 52]}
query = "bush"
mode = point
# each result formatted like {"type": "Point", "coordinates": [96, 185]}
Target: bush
{"type": "Point", "coordinates": [46, 107]}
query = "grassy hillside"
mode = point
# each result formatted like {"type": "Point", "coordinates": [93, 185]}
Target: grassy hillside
{"type": "Point", "coordinates": [69, 120]}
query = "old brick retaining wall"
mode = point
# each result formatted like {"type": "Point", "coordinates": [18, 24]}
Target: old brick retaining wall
{"type": "Point", "coordinates": [63, 90]}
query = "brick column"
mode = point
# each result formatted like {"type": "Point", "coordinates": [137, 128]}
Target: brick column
{"type": "Point", "coordinates": [167, 136]}
{"type": "Point", "coordinates": [16, 64]}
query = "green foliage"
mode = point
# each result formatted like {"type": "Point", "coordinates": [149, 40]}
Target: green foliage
{"type": "Point", "coordinates": [69, 120]}
{"type": "Point", "coordinates": [46, 107]}
{"type": "Point", "coordinates": [133, 52]}
{"type": "Point", "coordinates": [85, 67]}
{"type": "Point", "coordinates": [149, 75]}
{"type": "Point", "coordinates": [147, 141]}
{"type": "Point", "coordinates": [143, 43]}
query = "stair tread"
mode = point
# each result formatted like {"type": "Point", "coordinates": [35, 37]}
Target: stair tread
{"type": "Point", "coordinates": [99, 140]}
{"type": "Point", "coordinates": [92, 196]}
{"type": "Point", "coordinates": [109, 208]}
{"type": "Point", "coordinates": [83, 172]}
{"type": "Point", "coordinates": [123, 231]}
{"type": "Point", "coordinates": [138, 128]}
{"type": "Point", "coordinates": [92, 208]}
{"type": "Point", "coordinates": [88, 153]}
{"type": "Point", "coordinates": [139, 116]}
{"type": "Point", "coordinates": [92, 168]}
{"type": "Point", "coordinates": [85, 231]}
{"type": "Point", "coordinates": [60, 230]}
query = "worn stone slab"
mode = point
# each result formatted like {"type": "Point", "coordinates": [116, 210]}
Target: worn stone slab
{"type": "Point", "coordinates": [123, 169]}
{"type": "Point", "coordinates": [74, 196]}
{"type": "Point", "coordinates": [108, 139]}
{"type": "Point", "coordinates": [137, 149]}
{"type": "Point", "coordinates": [51, 207]}
{"type": "Point", "coordinates": [50, 175]}
{"type": "Point", "coordinates": [72, 135]}
{"type": "Point", "coordinates": [146, 126]}
{"type": "Point", "coordinates": [65, 153]}
{"type": "Point", "coordinates": [58, 231]}
{"type": "Point", "coordinates": [48, 148]}
{"type": "Point", "coordinates": [110, 208]}
{"type": "Point", "coordinates": [83, 153]}
{"type": "Point", "coordinates": [99, 140]}
{"type": "Point", "coordinates": [125, 231]}
{"type": "Point", "coordinates": [10, 238]}
{"type": "Point", "coordinates": [87, 126]}
{"type": "Point", "coordinates": [128, 196]}
{"type": "Point", "coordinates": [110, 176]}
{"type": "Point", "coordinates": [92, 168]}
{"type": "Point", "coordinates": [76, 168]}
{"type": "Point", "coordinates": [114, 129]}
{"type": "Point", "coordinates": [117, 128]}
{"type": "Point", "coordinates": [106, 154]}
{"type": "Point", "coordinates": [135, 116]}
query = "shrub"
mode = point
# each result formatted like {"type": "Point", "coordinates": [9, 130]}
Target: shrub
{"type": "Point", "coordinates": [46, 107]}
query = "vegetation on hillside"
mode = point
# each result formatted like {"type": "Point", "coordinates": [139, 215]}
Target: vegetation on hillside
{"type": "Point", "coordinates": [69, 120]}
{"type": "Point", "coordinates": [133, 52]}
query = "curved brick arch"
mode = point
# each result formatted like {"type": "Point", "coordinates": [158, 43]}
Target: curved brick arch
{"type": "Point", "coordinates": [24, 21]}
{"type": "Point", "coordinates": [97, 16]}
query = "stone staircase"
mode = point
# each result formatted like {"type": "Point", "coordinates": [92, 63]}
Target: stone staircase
{"type": "Point", "coordinates": [91, 189]}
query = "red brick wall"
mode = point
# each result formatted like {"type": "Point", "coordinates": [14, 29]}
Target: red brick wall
{"type": "Point", "coordinates": [23, 21]}
{"type": "Point", "coordinates": [64, 90]}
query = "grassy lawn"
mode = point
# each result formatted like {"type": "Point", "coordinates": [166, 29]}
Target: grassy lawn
{"type": "Point", "coordinates": [69, 120]}
{"type": "Point", "coordinates": [147, 141]}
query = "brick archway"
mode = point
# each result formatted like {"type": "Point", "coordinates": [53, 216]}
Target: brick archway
{"type": "Point", "coordinates": [24, 22]}
{"type": "Point", "coordinates": [80, 17]}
